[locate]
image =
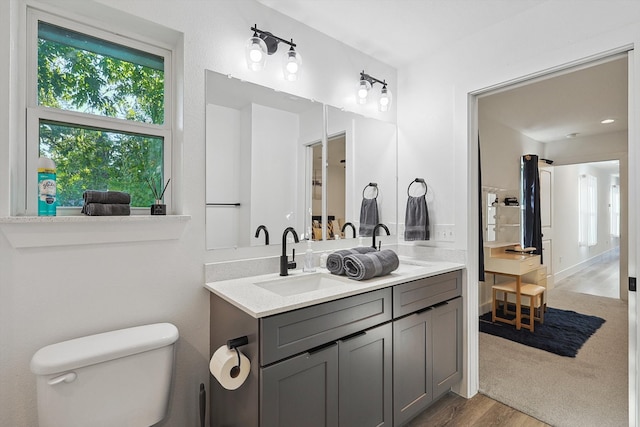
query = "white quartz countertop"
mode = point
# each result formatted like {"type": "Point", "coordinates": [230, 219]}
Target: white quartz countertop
{"type": "Point", "coordinates": [249, 293]}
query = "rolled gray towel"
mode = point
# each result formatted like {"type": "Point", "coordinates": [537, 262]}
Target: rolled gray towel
{"type": "Point", "coordinates": [106, 209]}
{"type": "Point", "coordinates": [115, 197]}
{"type": "Point", "coordinates": [373, 264]}
{"type": "Point", "coordinates": [335, 260]}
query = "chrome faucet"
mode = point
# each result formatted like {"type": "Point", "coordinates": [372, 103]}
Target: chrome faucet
{"type": "Point", "coordinates": [285, 264]}
{"type": "Point", "coordinates": [266, 233]}
{"type": "Point", "coordinates": [352, 228]}
{"type": "Point", "coordinates": [375, 231]}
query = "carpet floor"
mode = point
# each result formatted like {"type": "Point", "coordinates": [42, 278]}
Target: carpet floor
{"type": "Point", "coordinates": [588, 390]}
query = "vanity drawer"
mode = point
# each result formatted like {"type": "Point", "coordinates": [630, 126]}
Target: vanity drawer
{"type": "Point", "coordinates": [512, 263]}
{"type": "Point", "coordinates": [536, 276]}
{"type": "Point", "coordinates": [294, 332]}
{"type": "Point", "coordinates": [418, 294]}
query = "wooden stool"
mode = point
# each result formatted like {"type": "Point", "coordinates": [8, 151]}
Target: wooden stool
{"type": "Point", "coordinates": [535, 293]}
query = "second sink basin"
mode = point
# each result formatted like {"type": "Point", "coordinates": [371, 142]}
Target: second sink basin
{"type": "Point", "coordinates": [294, 285]}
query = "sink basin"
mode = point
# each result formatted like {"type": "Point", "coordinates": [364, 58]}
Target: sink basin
{"type": "Point", "coordinates": [295, 285]}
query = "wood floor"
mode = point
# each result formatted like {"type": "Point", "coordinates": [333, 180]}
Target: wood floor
{"type": "Point", "coordinates": [600, 279]}
{"type": "Point", "coordinates": [456, 411]}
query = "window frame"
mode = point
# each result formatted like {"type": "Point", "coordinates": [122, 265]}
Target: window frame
{"type": "Point", "coordinates": [587, 210]}
{"type": "Point", "coordinates": [35, 113]}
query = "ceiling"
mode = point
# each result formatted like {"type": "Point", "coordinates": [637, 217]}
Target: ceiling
{"type": "Point", "coordinates": [545, 110]}
{"type": "Point", "coordinates": [435, 23]}
{"type": "Point", "coordinates": [549, 109]}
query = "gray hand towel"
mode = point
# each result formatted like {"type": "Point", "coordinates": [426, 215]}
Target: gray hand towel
{"type": "Point", "coordinates": [368, 217]}
{"type": "Point", "coordinates": [335, 260]}
{"type": "Point", "coordinates": [416, 220]}
{"type": "Point", "coordinates": [94, 196]}
{"type": "Point", "coordinates": [373, 264]}
{"type": "Point", "coordinates": [106, 209]}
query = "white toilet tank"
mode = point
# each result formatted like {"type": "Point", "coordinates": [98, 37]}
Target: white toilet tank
{"type": "Point", "coordinates": [118, 378]}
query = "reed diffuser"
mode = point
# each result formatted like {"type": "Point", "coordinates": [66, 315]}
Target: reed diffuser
{"type": "Point", "coordinates": [158, 208]}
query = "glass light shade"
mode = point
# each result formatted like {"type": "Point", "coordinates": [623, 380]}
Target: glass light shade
{"type": "Point", "coordinates": [292, 63]}
{"type": "Point", "coordinates": [363, 91]}
{"type": "Point", "coordinates": [384, 102]}
{"type": "Point", "coordinates": [256, 52]}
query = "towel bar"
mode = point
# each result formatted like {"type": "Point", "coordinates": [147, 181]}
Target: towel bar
{"type": "Point", "coordinates": [420, 180]}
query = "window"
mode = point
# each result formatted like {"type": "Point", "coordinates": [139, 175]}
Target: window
{"type": "Point", "coordinates": [588, 210]}
{"type": "Point", "coordinates": [615, 211]}
{"type": "Point", "coordinates": [98, 106]}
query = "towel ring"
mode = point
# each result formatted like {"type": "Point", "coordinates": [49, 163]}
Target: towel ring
{"type": "Point", "coordinates": [413, 182]}
{"type": "Point", "coordinates": [371, 184]}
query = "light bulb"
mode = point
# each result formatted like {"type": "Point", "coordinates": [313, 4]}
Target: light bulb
{"type": "Point", "coordinates": [363, 91]}
{"type": "Point", "coordinates": [256, 52]}
{"type": "Point", "coordinates": [385, 99]}
{"type": "Point", "coordinates": [292, 65]}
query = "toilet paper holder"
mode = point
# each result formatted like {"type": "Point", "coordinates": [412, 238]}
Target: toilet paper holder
{"type": "Point", "coordinates": [233, 344]}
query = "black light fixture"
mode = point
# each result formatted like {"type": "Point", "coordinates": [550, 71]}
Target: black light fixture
{"type": "Point", "coordinates": [364, 87]}
{"type": "Point", "coordinates": [264, 43]}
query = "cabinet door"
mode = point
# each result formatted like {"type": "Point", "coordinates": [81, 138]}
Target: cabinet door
{"type": "Point", "coordinates": [365, 391]}
{"type": "Point", "coordinates": [412, 361]}
{"type": "Point", "coordinates": [301, 391]}
{"type": "Point", "coordinates": [446, 324]}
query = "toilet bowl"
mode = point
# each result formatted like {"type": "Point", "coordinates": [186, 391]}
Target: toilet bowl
{"type": "Point", "coordinates": [117, 378]}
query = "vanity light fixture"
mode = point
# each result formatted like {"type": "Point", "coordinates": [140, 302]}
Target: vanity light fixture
{"type": "Point", "coordinates": [364, 87]}
{"type": "Point", "coordinates": [262, 44]}
{"type": "Point", "coordinates": [607, 121]}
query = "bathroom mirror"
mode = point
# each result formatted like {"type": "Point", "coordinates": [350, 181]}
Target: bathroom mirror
{"type": "Point", "coordinates": [369, 166]}
{"type": "Point", "coordinates": [270, 160]}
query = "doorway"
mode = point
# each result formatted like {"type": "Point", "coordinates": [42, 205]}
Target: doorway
{"type": "Point", "coordinates": [502, 142]}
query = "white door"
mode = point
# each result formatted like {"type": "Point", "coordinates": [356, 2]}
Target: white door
{"type": "Point", "coordinates": [546, 214]}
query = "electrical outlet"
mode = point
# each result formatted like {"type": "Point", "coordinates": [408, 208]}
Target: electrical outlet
{"type": "Point", "coordinates": [444, 233]}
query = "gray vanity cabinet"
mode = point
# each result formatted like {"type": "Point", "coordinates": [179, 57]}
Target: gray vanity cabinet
{"type": "Point", "coordinates": [427, 343]}
{"type": "Point", "coordinates": [347, 383]}
{"type": "Point", "coordinates": [365, 388]}
{"type": "Point", "coordinates": [301, 388]}
{"type": "Point", "coordinates": [373, 359]}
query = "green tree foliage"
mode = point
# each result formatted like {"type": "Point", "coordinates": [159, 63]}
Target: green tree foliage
{"type": "Point", "coordinates": [99, 159]}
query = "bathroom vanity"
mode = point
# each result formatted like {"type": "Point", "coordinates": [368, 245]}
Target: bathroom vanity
{"type": "Point", "coordinates": [329, 351]}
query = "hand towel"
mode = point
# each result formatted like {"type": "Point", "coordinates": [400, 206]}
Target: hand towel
{"type": "Point", "coordinates": [368, 217]}
{"type": "Point", "coordinates": [106, 209]}
{"type": "Point", "coordinates": [416, 220]}
{"type": "Point", "coordinates": [94, 196]}
{"type": "Point", "coordinates": [372, 264]}
{"type": "Point", "coordinates": [335, 260]}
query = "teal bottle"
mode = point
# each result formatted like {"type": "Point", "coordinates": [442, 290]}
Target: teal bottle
{"type": "Point", "coordinates": [47, 200]}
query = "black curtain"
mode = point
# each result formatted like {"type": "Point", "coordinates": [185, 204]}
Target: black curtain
{"type": "Point", "coordinates": [481, 223]}
{"type": "Point", "coordinates": [532, 222]}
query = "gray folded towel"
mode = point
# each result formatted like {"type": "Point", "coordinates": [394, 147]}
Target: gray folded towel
{"type": "Point", "coordinates": [106, 209]}
{"type": "Point", "coordinates": [372, 264]}
{"type": "Point", "coordinates": [335, 260]}
{"type": "Point", "coordinates": [116, 197]}
{"type": "Point", "coordinates": [368, 217]}
{"type": "Point", "coordinates": [416, 220]}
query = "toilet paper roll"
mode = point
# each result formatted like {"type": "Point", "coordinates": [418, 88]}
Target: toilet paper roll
{"type": "Point", "coordinates": [223, 367]}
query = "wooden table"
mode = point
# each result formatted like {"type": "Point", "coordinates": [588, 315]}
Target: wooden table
{"type": "Point", "coordinates": [511, 264]}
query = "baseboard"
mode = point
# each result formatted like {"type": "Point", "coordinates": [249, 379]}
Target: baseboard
{"type": "Point", "coordinates": [561, 275]}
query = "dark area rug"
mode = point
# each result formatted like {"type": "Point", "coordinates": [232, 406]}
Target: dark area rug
{"type": "Point", "coordinates": [564, 332]}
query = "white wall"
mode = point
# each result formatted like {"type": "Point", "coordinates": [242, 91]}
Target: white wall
{"type": "Point", "coordinates": [567, 253]}
{"type": "Point", "coordinates": [52, 294]}
{"type": "Point", "coordinates": [502, 149]}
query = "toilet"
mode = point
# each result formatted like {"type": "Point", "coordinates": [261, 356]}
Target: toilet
{"type": "Point", "coordinates": [118, 378]}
